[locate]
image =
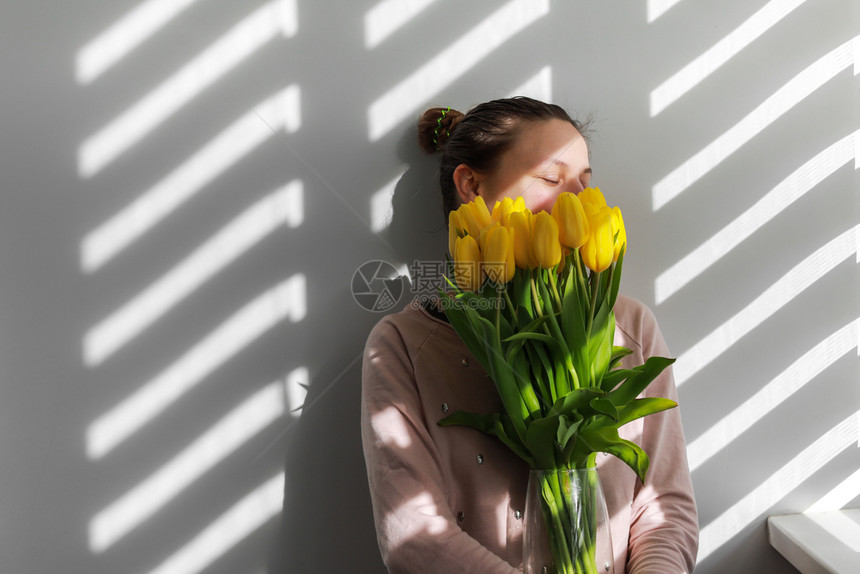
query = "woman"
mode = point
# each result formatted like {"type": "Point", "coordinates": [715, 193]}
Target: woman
{"type": "Point", "coordinates": [451, 499]}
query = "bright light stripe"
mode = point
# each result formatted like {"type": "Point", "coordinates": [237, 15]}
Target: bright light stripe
{"type": "Point", "coordinates": [381, 207]}
{"type": "Point", "coordinates": [286, 301]}
{"type": "Point", "coordinates": [228, 245]}
{"type": "Point", "coordinates": [791, 380]}
{"type": "Point", "coordinates": [129, 32]}
{"type": "Point", "coordinates": [538, 86]}
{"type": "Point", "coordinates": [779, 484]}
{"type": "Point", "coordinates": [720, 53]}
{"type": "Point", "coordinates": [781, 101]}
{"type": "Point", "coordinates": [769, 302]}
{"type": "Point", "coordinates": [297, 384]}
{"type": "Point", "coordinates": [229, 529]}
{"type": "Point", "coordinates": [857, 144]}
{"type": "Point", "coordinates": [216, 444]}
{"type": "Point", "coordinates": [657, 8]}
{"type": "Point", "coordinates": [839, 496]}
{"type": "Point", "coordinates": [389, 16]}
{"type": "Point", "coordinates": [451, 63]}
{"type": "Point", "coordinates": [226, 54]}
{"type": "Point", "coordinates": [216, 157]}
{"type": "Point", "coordinates": [775, 201]}
{"type": "Point", "coordinates": [856, 44]}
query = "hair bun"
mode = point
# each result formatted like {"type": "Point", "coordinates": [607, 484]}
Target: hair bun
{"type": "Point", "coordinates": [436, 126]}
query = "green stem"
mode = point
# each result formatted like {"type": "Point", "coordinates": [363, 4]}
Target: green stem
{"type": "Point", "coordinates": [535, 296]}
{"type": "Point", "coordinates": [513, 310]}
{"type": "Point", "coordinates": [555, 295]}
{"type": "Point", "coordinates": [595, 286]}
{"type": "Point", "coordinates": [558, 523]}
{"type": "Point", "coordinates": [499, 317]}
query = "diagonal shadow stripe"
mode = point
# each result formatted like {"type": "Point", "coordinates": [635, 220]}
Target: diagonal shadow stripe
{"type": "Point", "coordinates": [239, 139]}
{"type": "Point", "coordinates": [388, 16]}
{"type": "Point", "coordinates": [225, 54]}
{"type": "Point", "coordinates": [780, 483]}
{"type": "Point", "coordinates": [286, 301]}
{"type": "Point", "coordinates": [732, 44]}
{"type": "Point", "coordinates": [783, 290]}
{"type": "Point", "coordinates": [280, 208]}
{"type": "Point", "coordinates": [789, 190]}
{"type": "Point", "coordinates": [229, 529]}
{"type": "Point", "coordinates": [215, 444]}
{"type": "Point", "coordinates": [771, 395]}
{"type": "Point", "coordinates": [125, 35]}
{"type": "Point", "coordinates": [450, 64]}
{"type": "Point", "coordinates": [785, 98]}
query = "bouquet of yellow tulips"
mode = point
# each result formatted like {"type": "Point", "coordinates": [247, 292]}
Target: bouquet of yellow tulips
{"type": "Point", "coordinates": [546, 339]}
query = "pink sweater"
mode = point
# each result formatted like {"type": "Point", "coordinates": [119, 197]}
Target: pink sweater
{"type": "Point", "coordinates": [448, 500]}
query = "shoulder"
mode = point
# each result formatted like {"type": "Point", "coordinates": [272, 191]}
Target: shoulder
{"type": "Point", "coordinates": [409, 329]}
{"type": "Point", "coordinates": [637, 323]}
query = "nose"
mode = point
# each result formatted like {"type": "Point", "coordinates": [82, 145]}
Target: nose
{"type": "Point", "coordinates": [575, 186]}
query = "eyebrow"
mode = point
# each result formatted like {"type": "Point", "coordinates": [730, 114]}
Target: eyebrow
{"type": "Point", "coordinates": [546, 164]}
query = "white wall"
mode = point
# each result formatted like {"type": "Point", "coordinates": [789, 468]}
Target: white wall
{"type": "Point", "coordinates": [765, 330]}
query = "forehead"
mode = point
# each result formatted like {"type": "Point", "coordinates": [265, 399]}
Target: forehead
{"type": "Point", "coordinates": [549, 141]}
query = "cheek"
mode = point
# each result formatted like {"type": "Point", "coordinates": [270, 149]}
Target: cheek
{"type": "Point", "coordinates": [539, 198]}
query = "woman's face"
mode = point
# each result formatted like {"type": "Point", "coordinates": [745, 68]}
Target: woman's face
{"type": "Point", "coordinates": [547, 158]}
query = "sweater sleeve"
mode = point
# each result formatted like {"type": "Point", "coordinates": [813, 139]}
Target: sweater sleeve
{"type": "Point", "coordinates": [416, 530]}
{"type": "Point", "coordinates": [664, 529]}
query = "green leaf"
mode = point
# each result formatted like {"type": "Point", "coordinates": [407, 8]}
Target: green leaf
{"type": "Point", "coordinates": [534, 325]}
{"type": "Point", "coordinates": [574, 401]}
{"type": "Point", "coordinates": [567, 427]}
{"type": "Point", "coordinates": [638, 408]}
{"type": "Point", "coordinates": [604, 406]}
{"type": "Point", "coordinates": [616, 278]}
{"type": "Point", "coordinates": [636, 383]}
{"type": "Point", "coordinates": [520, 368]}
{"type": "Point", "coordinates": [522, 295]}
{"type": "Point", "coordinates": [618, 353]}
{"type": "Point", "coordinates": [533, 336]}
{"type": "Point", "coordinates": [613, 378]}
{"type": "Point", "coordinates": [541, 370]}
{"type": "Point", "coordinates": [500, 372]}
{"type": "Point", "coordinates": [607, 440]}
{"type": "Point", "coordinates": [458, 316]}
{"type": "Point", "coordinates": [601, 354]}
{"type": "Point", "coordinates": [573, 322]}
{"type": "Point", "coordinates": [540, 439]}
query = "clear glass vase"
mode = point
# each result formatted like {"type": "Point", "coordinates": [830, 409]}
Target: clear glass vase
{"type": "Point", "coordinates": [566, 525]}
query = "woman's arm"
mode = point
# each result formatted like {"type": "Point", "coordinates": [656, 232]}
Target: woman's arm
{"type": "Point", "coordinates": [416, 530]}
{"type": "Point", "coordinates": [664, 529]}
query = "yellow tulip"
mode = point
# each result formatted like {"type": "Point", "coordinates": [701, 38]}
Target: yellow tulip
{"type": "Point", "coordinates": [571, 219]}
{"type": "Point", "coordinates": [498, 254]}
{"type": "Point", "coordinates": [482, 211]}
{"type": "Point", "coordinates": [474, 216]}
{"type": "Point", "coordinates": [467, 263]}
{"type": "Point", "coordinates": [592, 200]}
{"type": "Point", "coordinates": [455, 230]}
{"type": "Point", "coordinates": [521, 224]}
{"type": "Point", "coordinates": [598, 251]}
{"type": "Point", "coordinates": [467, 219]}
{"type": "Point", "coordinates": [502, 209]}
{"type": "Point", "coordinates": [546, 246]}
{"type": "Point", "coordinates": [618, 228]}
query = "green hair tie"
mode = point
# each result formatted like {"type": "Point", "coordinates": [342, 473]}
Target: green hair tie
{"type": "Point", "coordinates": [439, 125]}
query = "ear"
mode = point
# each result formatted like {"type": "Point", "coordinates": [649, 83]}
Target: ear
{"type": "Point", "coordinates": [466, 182]}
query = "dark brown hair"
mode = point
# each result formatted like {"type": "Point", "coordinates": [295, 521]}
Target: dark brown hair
{"type": "Point", "coordinates": [480, 137]}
